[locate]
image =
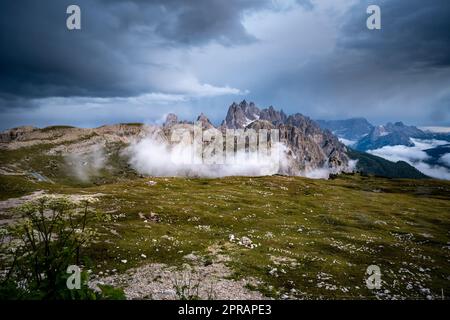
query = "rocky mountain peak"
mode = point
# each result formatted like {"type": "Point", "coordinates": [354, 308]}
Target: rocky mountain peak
{"type": "Point", "coordinates": [309, 146]}
{"type": "Point", "coordinates": [273, 116]}
{"type": "Point", "coordinates": [206, 124]}
{"type": "Point", "coordinates": [241, 115]}
{"type": "Point", "coordinates": [298, 120]}
{"type": "Point", "coordinates": [171, 120]}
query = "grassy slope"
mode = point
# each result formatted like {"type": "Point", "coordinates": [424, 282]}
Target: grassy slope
{"type": "Point", "coordinates": [328, 229]}
{"type": "Point", "coordinates": [55, 168]}
{"type": "Point", "coordinates": [346, 224]}
{"type": "Point", "coordinates": [327, 232]}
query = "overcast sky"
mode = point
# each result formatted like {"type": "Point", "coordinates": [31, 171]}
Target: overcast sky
{"type": "Point", "coordinates": [136, 61]}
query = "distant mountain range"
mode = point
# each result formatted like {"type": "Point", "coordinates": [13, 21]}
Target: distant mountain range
{"type": "Point", "coordinates": [363, 136]}
{"type": "Point", "coordinates": [391, 134]}
{"type": "Point", "coordinates": [303, 142]}
{"type": "Point", "coordinates": [350, 129]}
{"type": "Point", "coordinates": [310, 145]}
{"type": "Point", "coordinates": [408, 142]}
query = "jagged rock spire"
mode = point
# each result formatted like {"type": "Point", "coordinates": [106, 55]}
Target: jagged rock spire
{"type": "Point", "coordinates": [171, 120]}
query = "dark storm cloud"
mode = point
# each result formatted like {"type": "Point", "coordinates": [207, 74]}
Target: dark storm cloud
{"type": "Point", "coordinates": [193, 22]}
{"type": "Point", "coordinates": [317, 58]}
{"type": "Point", "coordinates": [414, 34]}
{"type": "Point", "coordinates": [39, 57]}
{"type": "Point", "coordinates": [404, 67]}
{"type": "Point", "coordinates": [401, 72]}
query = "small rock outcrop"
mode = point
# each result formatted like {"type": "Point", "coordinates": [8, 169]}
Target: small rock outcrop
{"type": "Point", "coordinates": [15, 133]}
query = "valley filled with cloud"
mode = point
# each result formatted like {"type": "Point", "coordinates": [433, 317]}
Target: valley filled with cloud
{"type": "Point", "coordinates": [417, 157]}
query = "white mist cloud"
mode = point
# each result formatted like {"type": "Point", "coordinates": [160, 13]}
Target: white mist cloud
{"type": "Point", "coordinates": [400, 153]}
{"type": "Point", "coordinates": [324, 172]}
{"type": "Point", "coordinates": [84, 166]}
{"type": "Point", "coordinates": [415, 156]}
{"type": "Point", "coordinates": [320, 173]}
{"type": "Point", "coordinates": [156, 157]}
{"type": "Point", "coordinates": [445, 159]}
{"type": "Point", "coordinates": [436, 129]}
{"type": "Point", "coordinates": [347, 142]}
{"type": "Point", "coordinates": [437, 172]}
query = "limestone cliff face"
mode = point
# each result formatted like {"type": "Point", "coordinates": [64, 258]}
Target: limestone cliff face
{"type": "Point", "coordinates": [15, 134]}
{"type": "Point", "coordinates": [308, 146]}
{"type": "Point", "coordinates": [69, 138]}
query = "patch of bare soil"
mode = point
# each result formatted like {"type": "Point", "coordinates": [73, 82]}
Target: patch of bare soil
{"type": "Point", "coordinates": [15, 202]}
{"type": "Point", "coordinates": [7, 205]}
{"type": "Point", "coordinates": [161, 282]}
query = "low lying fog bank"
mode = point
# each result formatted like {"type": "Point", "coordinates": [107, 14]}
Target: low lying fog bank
{"type": "Point", "coordinates": [154, 157]}
{"type": "Point", "coordinates": [416, 156]}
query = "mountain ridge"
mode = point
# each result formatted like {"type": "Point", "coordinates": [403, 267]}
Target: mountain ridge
{"type": "Point", "coordinates": [309, 146]}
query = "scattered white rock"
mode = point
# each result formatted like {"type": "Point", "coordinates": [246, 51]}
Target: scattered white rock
{"type": "Point", "coordinates": [191, 257]}
{"type": "Point", "coordinates": [273, 272]}
{"type": "Point", "coordinates": [156, 281]}
{"type": "Point", "coordinates": [245, 241]}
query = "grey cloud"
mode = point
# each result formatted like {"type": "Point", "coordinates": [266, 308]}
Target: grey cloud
{"type": "Point", "coordinates": [414, 33]}
{"type": "Point", "coordinates": [112, 54]}
{"type": "Point", "coordinates": [401, 72]}
{"type": "Point", "coordinates": [316, 63]}
{"type": "Point", "coordinates": [193, 22]}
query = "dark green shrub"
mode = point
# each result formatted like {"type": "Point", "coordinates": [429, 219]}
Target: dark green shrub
{"type": "Point", "coordinates": [36, 252]}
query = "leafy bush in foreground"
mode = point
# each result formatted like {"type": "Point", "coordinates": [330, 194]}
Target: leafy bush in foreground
{"type": "Point", "coordinates": [36, 251]}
